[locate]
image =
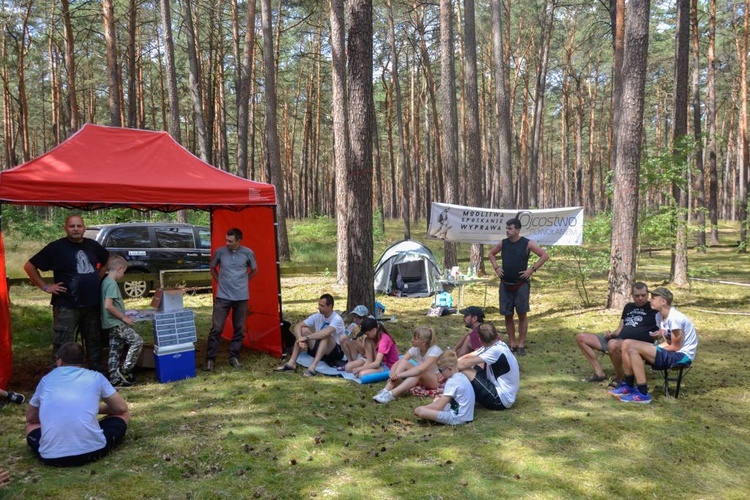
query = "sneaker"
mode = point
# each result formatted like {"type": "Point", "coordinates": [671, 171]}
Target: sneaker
{"type": "Point", "coordinates": [636, 397]}
{"type": "Point", "coordinates": [378, 394]}
{"type": "Point", "coordinates": [623, 390]}
{"type": "Point", "coordinates": [126, 376]}
{"type": "Point", "coordinates": [119, 382]}
{"type": "Point", "coordinates": [16, 398]}
{"type": "Point", "coordinates": [384, 397]}
{"type": "Point", "coordinates": [235, 362]}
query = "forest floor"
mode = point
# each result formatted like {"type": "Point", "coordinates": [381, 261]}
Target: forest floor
{"type": "Point", "coordinates": [256, 433]}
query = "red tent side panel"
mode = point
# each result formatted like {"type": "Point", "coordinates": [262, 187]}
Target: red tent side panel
{"type": "Point", "coordinates": [262, 328]}
{"type": "Point", "coordinates": [6, 354]}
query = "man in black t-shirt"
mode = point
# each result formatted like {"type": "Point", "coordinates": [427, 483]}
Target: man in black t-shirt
{"type": "Point", "coordinates": [636, 322]}
{"type": "Point", "coordinates": [77, 264]}
{"type": "Point", "coordinates": [515, 274]}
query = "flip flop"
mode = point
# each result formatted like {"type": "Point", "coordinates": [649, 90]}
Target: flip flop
{"type": "Point", "coordinates": [309, 373]}
{"type": "Point", "coordinates": [286, 368]}
{"type": "Point", "coordinates": [594, 378]}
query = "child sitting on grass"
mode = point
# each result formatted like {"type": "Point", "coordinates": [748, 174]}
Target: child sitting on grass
{"type": "Point", "coordinates": [456, 405]}
{"type": "Point", "coordinates": [381, 352]}
{"type": "Point", "coordinates": [118, 325]}
{"type": "Point", "coordinates": [405, 375]}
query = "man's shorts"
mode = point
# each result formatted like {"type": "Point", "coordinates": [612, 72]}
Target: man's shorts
{"type": "Point", "coordinates": [517, 299]}
{"type": "Point", "coordinates": [114, 429]}
{"type": "Point", "coordinates": [603, 341]}
{"type": "Point", "coordinates": [667, 359]}
{"type": "Point", "coordinates": [333, 358]}
{"type": "Point", "coordinates": [485, 392]}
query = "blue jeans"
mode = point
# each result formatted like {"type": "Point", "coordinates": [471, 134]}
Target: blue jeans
{"type": "Point", "coordinates": [221, 311]}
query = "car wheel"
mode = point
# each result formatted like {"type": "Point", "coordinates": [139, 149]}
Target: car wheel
{"type": "Point", "coordinates": [135, 289]}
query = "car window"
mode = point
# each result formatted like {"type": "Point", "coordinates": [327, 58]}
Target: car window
{"type": "Point", "coordinates": [128, 237]}
{"type": "Point", "coordinates": [205, 238]}
{"type": "Point", "coordinates": [174, 237]}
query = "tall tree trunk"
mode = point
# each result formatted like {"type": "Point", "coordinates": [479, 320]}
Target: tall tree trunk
{"type": "Point", "coordinates": [246, 76]}
{"type": "Point", "coordinates": [505, 169]}
{"type": "Point", "coordinates": [743, 138]}
{"type": "Point", "coordinates": [196, 85]}
{"type": "Point", "coordinates": [474, 156]}
{"type": "Point", "coordinates": [174, 102]}
{"type": "Point", "coordinates": [113, 72]}
{"type": "Point", "coordinates": [682, 61]}
{"type": "Point", "coordinates": [340, 133]}
{"type": "Point", "coordinates": [404, 161]}
{"type": "Point", "coordinates": [70, 66]}
{"type": "Point", "coordinates": [539, 94]}
{"type": "Point", "coordinates": [617, 21]}
{"type": "Point", "coordinates": [131, 55]}
{"type": "Point", "coordinates": [449, 111]}
{"type": "Point", "coordinates": [23, 103]}
{"type": "Point", "coordinates": [426, 67]}
{"type": "Point", "coordinates": [700, 182]}
{"type": "Point", "coordinates": [713, 183]}
{"type": "Point", "coordinates": [359, 178]}
{"type": "Point", "coordinates": [627, 171]}
{"type": "Point", "coordinates": [273, 152]}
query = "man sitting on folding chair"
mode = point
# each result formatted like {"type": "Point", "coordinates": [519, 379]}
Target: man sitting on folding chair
{"type": "Point", "coordinates": [677, 342]}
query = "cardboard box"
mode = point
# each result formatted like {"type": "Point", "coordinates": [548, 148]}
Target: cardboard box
{"type": "Point", "coordinates": [175, 362]}
{"type": "Point", "coordinates": [146, 358]}
{"type": "Point", "coordinates": [167, 299]}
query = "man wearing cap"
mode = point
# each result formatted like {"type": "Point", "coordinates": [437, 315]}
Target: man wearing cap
{"type": "Point", "coordinates": [62, 428]}
{"type": "Point", "coordinates": [677, 343]}
{"type": "Point", "coordinates": [515, 273]}
{"type": "Point", "coordinates": [637, 322]}
{"type": "Point", "coordinates": [352, 349]}
{"type": "Point", "coordinates": [473, 317]}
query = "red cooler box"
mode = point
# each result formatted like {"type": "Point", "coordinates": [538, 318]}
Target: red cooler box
{"type": "Point", "coordinates": [174, 362]}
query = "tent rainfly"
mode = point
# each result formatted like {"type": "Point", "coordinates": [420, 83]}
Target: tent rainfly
{"type": "Point", "coordinates": [99, 167]}
{"type": "Point", "coordinates": [407, 269]}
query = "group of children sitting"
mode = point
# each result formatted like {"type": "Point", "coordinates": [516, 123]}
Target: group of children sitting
{"type": "Point", "coordinates": [423, 370]}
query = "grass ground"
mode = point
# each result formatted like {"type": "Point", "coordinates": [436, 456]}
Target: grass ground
{"type": "Point", "coordinates": [255, 433]}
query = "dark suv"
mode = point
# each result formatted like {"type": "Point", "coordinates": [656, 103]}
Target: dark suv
{"type": "Point", "coordinates": [150, 247]}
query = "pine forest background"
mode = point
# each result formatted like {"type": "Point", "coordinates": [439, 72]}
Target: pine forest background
{"type": "Point", "coordinates": [65, 62]}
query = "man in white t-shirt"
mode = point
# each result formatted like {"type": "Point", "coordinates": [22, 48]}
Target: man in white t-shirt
{"type": "Point", "coordinates": [677, 343]}
{"type": "Point", "coordinates": [62, 428]}
{"type": "Point", "coordinates": [492, 370]}
{"type": "Point", "coordinates": [318, 335]}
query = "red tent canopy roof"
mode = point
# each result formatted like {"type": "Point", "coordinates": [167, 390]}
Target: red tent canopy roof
{"type": "Point", "coordinates": [109, 166]}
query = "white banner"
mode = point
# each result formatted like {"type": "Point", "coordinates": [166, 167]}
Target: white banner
{"type": "Point", "coordinates": [557, 226]}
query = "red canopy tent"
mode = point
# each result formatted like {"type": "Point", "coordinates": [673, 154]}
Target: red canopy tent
{"type": "Point", "coordinates": [101, 167]}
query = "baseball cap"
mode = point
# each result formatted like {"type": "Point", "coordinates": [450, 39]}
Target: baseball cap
{"type": "Point", "coordinates": [360, 311]}
{"type": "Point", "coordinates": [663, 292]}
{"type": "Point", "coordinates": [473, 311]}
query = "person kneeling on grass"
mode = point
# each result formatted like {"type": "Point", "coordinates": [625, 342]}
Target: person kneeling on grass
{"type": "Point", "coordinates": [61, 424]}
{"type": "Point", "coordinates": [677, 348]}
{"type": "Point", "coordinates": [381, 352]}
{"type": "Point", "coordinates": [492, 370]}
{"type": "Point", "coordinates": [405, 375]}
{"type": "Point", "coordinates": [119, 326]}
{"type": "Point", "coordinates": [456, 405]}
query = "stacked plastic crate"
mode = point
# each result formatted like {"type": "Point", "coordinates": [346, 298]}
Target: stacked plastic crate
{"type": "Point", "coordinates": [174, 351]}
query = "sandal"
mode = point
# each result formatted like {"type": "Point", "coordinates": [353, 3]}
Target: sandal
{"type": "Point", "coordinates": [309, 373]}
{"type": "Point", "coordinates": [594, 378]}
{"type": "Point", "coordinates": [286, 368]}
{"type": "Point", "coordinates": [615, 383]}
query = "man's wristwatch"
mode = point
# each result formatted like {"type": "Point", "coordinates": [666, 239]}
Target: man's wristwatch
{"type": "Point", "coordinates": [533, 268]}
